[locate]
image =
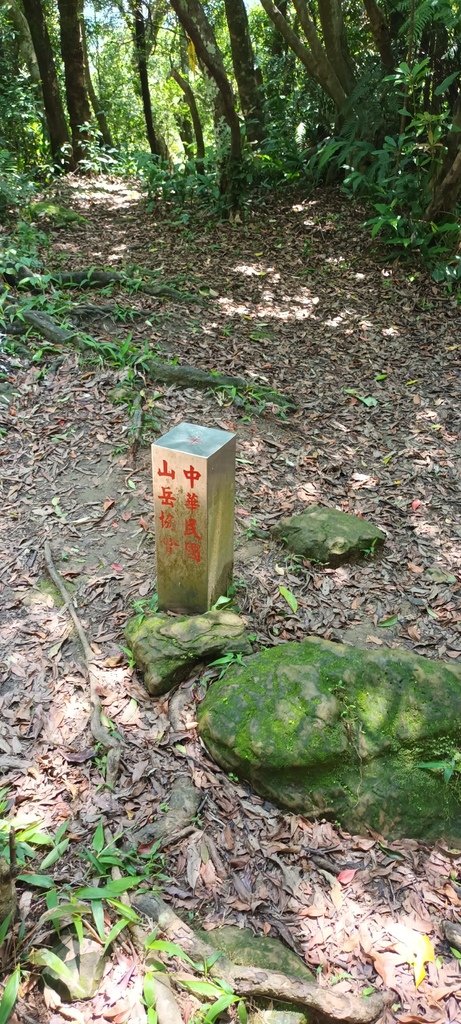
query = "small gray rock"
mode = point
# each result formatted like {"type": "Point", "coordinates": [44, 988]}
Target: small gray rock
{"type": "Point", "coordinates": [328, 536]}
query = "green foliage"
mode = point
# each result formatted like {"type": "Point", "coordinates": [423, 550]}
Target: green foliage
{"type": "Point", "coordinates": [16, 188]}
{"type": "Point", "coordinates": [398, 177]}
{"type": "Point", "coordinates": [446, 766]}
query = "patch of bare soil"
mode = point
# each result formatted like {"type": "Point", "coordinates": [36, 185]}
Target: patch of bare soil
{"type": "Point", "coordinates": [297, 298]}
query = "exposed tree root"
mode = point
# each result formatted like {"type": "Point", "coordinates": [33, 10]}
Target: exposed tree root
{"type": "Point", "coordinates": [163, 373]}
{"type": "Point", "coordinates": [324, 1005]}
{"type": "Point", "coordinates": [183, 805]}
{"type": "Point", "coordinates": [100, 733]}
{"type": "Point", "coordinates": [93, 278]}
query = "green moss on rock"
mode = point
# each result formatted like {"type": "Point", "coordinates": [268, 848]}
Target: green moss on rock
{"type": "Point", "coordinates": [334, 730]}
{"type": "Point", "coordinates": [243, 947]}
{"type": "Point", "coordinates": [327, 535]}
{"type": "Point", "coordinates": [166, 649]}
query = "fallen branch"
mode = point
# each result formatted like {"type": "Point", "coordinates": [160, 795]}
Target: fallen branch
{"type": "Point", "coordinates": [326, 1005]}
{"type": "Point", "coordinates": [100, 733]}
{"type": "Point", "coordinates": [137, 422]}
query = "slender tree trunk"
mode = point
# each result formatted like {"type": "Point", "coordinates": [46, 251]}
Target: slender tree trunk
{"type": "Point", "coordinates": [195, 23]}
{"type": "Point", "coordinates": [191, 103]}
{"type": "Point", "coordinates": [98, 111]}
{"type": "Point", "coordinates": [54, 109]}
{"type": "Point", "coordinates": [279, 43]}
{"type": "Point", "coordinates": [381, 34]}
{"type": "Point", "coordinates": [313, 57]}
{"type": "Point", "coordinates": [448, 187]}
{"type": "Point", "coordinates": [141, 60]}
{"type": "Point", "coordinates": [25, 45]}
{"type": "Point", "coordinates": [244, 68]}
{"type": "Point", "coordinates": [74, 73]}
{"type": "Point", "coordinates": [335, 41]}
{"type": "Point", "coordinates": [447, 192]}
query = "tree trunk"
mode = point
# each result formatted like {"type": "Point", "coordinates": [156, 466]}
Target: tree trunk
{"type": "Point", "coordinates": [141, 60]}
{"type": "Point", "coordinates": [446, 194]}
{"type": "Point", "coordinates": [313, 57]}
{"type": "Point", "coordinates": [195, 23]}
{"type": "Point", "coordinates": [335, 41]}
{"type": "Point", "coordinates": [448, 186]}
{"type": "Point", "coordinates": [244, 68]}
{"type": "Point", "coordinates": [191, 103]}
{"type": "Point", "coordinates": [279, 43]}
{"type": "Point", "coordinates": [74, 73]}
{"type": "Point", "coordinates": [54, 109]}
{"type": "Point", "coordinates": [98, 111]}
{"type": "Point", "coordinates": [381, 34]}
{"type": "Point", "coordinates": [26, 49]}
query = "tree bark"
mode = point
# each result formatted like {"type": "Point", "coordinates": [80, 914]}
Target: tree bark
{"type": "Point", "coordinates": [313, 57]}
{"type": "Point", "coordinates": [98, 111]}
{"type": "Point", "coordinates": [74, 73]}
{"type": "Point", "coordinates": [191, 103]}
{"type": "Point", "coordinates": [244, 68]}
{"type": "Point", "coordinates": [447, 191]}
{"type": "Point", "coordinates": [279, 43]}
{"type": "Point", "coordinates": [54, 109]}
{"type": "Point", "coordinates": [140, 42]}
{"type": "Point", "coordinates": [195, 23]}
{"type": "Point", "coordinates": [335, 41]}
{"type": "Point", "coordinates": [381, 34]}
{"type": "Point", "coordinates": [26, 49]}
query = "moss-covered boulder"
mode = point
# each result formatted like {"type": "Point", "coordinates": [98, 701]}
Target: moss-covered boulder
{"type": "Point", "coordinates": [57, 215]}
{"type": "Point", "coordinates": [166, 648]}
{"type": "Point", "coordinates": [327, 535]}
{"type": "Point", "coordinates": [243, 947]}
{"type": "Point", "coordinates": [362, 736]}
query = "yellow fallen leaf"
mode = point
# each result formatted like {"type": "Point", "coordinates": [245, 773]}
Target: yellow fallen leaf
{"type": "Point", "coordinates": [424, 954]}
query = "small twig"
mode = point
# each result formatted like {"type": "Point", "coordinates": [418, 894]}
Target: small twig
{"type": "Point", "coordinates": [100, 733]}
{"type": "Point", "coordinates": [137, 424]}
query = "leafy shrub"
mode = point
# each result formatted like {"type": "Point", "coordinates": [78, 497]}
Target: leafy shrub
{"type": "Point", "coordinates": [15, 188]}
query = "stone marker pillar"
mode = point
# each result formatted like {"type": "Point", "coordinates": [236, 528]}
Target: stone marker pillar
{"type": "Point", "coordinates": [194, 482]}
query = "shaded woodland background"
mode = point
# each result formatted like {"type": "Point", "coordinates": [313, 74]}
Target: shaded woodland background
{"type": "Point", "coordinates": [209, 102]}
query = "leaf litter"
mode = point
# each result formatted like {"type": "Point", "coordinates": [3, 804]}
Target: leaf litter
{"type": "Point", "coordinates": [296, 300]}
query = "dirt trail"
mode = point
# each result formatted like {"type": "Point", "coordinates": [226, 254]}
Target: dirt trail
{"type": "Point", "coordinates": [297, 299]}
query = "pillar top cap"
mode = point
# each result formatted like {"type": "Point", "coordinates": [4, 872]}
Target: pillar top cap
{"type": "Point", "coordinates": [193, 439]}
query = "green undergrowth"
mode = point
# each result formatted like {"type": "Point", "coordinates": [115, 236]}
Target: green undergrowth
{"type": "Point", "coordinates": [32, 860]}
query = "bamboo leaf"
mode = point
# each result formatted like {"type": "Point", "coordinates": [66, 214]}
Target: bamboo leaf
{"type": "Point", "coordinates": [10, 995]}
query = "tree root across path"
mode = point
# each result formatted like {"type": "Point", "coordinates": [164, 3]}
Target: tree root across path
{"type": "Point", "coordinates": [324, 1005]}
{"type": "Point", "coordinates": [163, 373]}
{"type": "Point", "coordinates": [94, 278]}
{"type": "Point", "coordinates": [99, 732]}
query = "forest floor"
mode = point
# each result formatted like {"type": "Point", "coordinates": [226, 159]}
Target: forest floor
{"type": "Point", "coordinates": [298, 298]}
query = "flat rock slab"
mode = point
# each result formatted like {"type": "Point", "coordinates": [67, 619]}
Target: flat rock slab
{"type": "Point", "coordinates": [167, 648]}
{"type": "Point", "coordinates": [328, 536]}
{"type": "Point", "coordinates": [337, 731]}
{"type": "Point", "coordinates": [243, 947]}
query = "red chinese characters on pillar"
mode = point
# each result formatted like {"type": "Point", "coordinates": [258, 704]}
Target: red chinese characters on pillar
{"type": "Point", "coordinates": [166, 520]}
{"type": "Point", "coordinates": [191, 475]}
{"type": "Point", "coordinates": [165, 471]}
{"type": "Point", "coordinates": [169, 544]}
{"type": "Point", "coordinates": [167, 497]}
{"type": "Point", "coordinates": [190, 529]}
{"type": "Point", "coordinates": [192, 502]}
{"type": "Point", "coordinates": [193, 551]}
